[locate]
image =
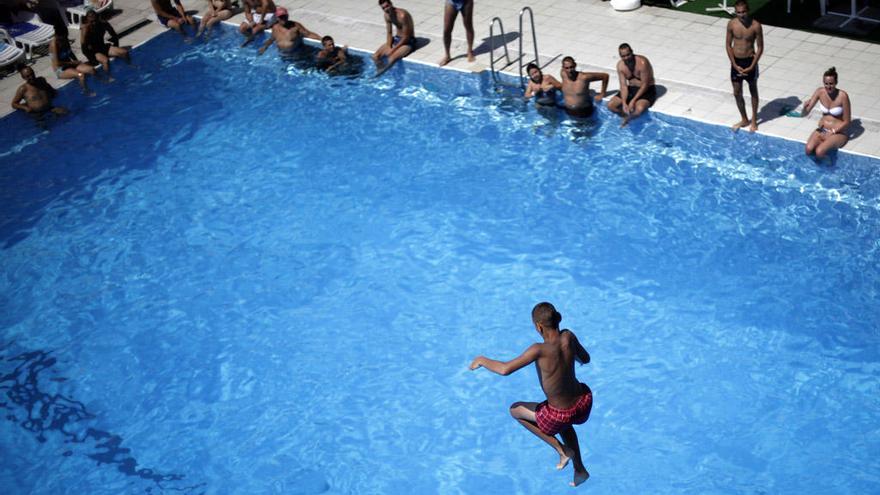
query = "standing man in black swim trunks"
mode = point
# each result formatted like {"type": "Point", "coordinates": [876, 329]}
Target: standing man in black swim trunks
{"type": "Point", "coordinates": [450, 12]}
{"type": "Point", "coordinates": [744, 45]}
{"type": "Point", "coordinates": [637, 90]}
{"type": "Point", "coordinates": [396, 46]}
{"type": "Point", "coordinates": [576, 88]}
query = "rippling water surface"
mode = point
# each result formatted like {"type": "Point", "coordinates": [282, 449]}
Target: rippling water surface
{"type": "Point", "coordinates": [229, 274]}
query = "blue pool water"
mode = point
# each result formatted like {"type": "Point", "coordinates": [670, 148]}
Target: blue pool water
{"type": "Point", "coordinates": [226, 274]}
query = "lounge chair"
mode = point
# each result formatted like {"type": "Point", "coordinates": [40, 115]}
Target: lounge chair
{"type": "Point", "coordinates": [77, 11]}
{"type": "Point", "coordinates": [9, 53]}
{"type": "Point", "coordinates": [30, 34]}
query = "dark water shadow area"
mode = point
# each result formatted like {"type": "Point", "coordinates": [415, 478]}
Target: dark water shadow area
{"type": "Point", "coordinates": [42, 162]}
{"type": "Point", "coordinates": [52, 416]}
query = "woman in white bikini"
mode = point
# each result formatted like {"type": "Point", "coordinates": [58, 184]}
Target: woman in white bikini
{"type": "Point", "coordinates": [836, 117]}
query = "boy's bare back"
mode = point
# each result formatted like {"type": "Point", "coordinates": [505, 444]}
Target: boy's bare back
{"type": "Point", "coordinates": [555, 366]}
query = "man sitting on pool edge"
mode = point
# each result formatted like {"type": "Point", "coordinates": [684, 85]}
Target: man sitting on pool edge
{"type": "Point", "coordinates": [568, 401]}
{"type": "Point", "coordinates": [637, 90]}
{"type": "Point", "coordinates": [396, 46]}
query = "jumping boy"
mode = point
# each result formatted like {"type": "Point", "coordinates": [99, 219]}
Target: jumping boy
{"type": "Point", "coordinates": [568, 401]}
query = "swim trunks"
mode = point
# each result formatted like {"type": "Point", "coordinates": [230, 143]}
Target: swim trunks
{"type": "Point", "coordinates": [581, 112]}
{"type": "Point", "coordinates": [552, 420]}
{"type": "Point", "coordinates": [164, 21]}
{"type": "Point", "coordinates": [268, 18]}
{"type": "Point", "coordinates": [457, 4]}
{"type": "Point", "coordinates": [650, 94]}
{"type": "Point", "coordinates": [103, 49]}
{"type": "Point", "coordinates": [396, 41]}
{"type": "Point", "coordinates": [751, 77]}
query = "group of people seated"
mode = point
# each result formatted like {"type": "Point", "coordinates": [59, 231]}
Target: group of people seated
{"type": "Point", "coordinates": [638, 92]}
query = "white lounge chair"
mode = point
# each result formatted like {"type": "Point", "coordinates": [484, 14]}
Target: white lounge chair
{"type": "Point", "coordinates": [77, 12]}
{"type": "Point", "coordinates": [9, 53]}
{"type": "Point", "coordinates": [29, 34]}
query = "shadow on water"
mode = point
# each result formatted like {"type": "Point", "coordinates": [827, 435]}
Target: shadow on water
{"type": "Point", "coordinates": [41, 163]}
{"type": "Point", "coordinates": [25, 402]}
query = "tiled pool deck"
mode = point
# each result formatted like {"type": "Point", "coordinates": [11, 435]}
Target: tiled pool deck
{"type": "Point", "coordinates": [686, 50]}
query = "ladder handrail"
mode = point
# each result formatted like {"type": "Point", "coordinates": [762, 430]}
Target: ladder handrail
{"type": "Point", "coordinates": [492, 42]}
{"type": "Point", "coordinates": [506, 53]}
{"type": "Point", "coordinates": [534, 41]}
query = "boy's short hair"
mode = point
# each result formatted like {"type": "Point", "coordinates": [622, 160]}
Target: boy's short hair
{"type": "Point", "coordinates": [624, 46]}
{"type": "Point", "coordinates": [327, 38]}
{"type": "Point", "coordinates": [744, 3]}
{"type": "Point", "coordinates": [545, 314]}
{"type": "Point", "coordinates": [532, 66]}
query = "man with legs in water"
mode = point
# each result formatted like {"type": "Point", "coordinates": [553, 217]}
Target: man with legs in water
{"type": "Point", "coordinates": [218, 11]}
{"type": "Point", "coordinates": [568, 401]}
{"type": "Point", "coordinates": [173, 17]}
{"type": "Point", "coordinates": [576, 88]}
{"type": "Point", "coordinates": [637, 90]}
{"type": "Point", "coordinates": [259, 16]}
{"type": "Point", "coordinates": [95, 48]}
{"type": "Point", "coordinates": [396, 46]}
{"type": "Point", "coordinates": [453, 7]}
{"type": "Point", "coordinates": [35, 95]}
{"type": "Point", "coordinates": [744, 45]}
{"type": "Point", "coordinates": [286, 33]}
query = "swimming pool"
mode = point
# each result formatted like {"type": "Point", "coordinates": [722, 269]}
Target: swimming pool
{"type": "Point", "coordinates": [229, 275]}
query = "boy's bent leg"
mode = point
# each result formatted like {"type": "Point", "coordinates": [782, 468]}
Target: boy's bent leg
{"type": "Point", "coordinates": [569, 436]}
{"type": "Point", "coordinates": [524, 412]}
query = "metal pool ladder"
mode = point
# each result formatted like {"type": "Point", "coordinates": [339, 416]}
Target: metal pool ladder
{"type": "Point", "coordinates": [506, 57]}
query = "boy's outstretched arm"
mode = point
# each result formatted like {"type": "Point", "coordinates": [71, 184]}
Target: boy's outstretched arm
{"type": "Point", "coordinates": [580, 353]}
{"type": "Point", "coordinates": [506, 368]}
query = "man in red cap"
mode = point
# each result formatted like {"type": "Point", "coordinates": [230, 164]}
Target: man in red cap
{"type": "Point", "coordinates": [286, 33]}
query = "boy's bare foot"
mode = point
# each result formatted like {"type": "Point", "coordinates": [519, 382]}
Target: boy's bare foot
{"type": "Point", "coordinates": [753, 127]}
{"type": "Point", "coordinates": [564, 457]}
{"type": "Point", "coordinates": [444, 61]}
{"type": "Point", "coordinates": [471, 57]}
{"type": "Point", "coordinates": [738, 125]}
{"type": "Point", "coordinates": [580, 477]}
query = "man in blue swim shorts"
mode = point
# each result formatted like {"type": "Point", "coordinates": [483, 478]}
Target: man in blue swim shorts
{"type": "Point", "coordinates": [453, 7]}
{"type": "Point", "coordinates": [396, 46]}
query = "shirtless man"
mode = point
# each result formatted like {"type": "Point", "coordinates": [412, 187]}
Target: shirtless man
{"type": "Point", "coordinates": [396, 46]}
{"type": "Point", "coordinates": [258, 16]}
{"type": "Point", "coordinates": [286, 33]}
{"type": "Point", "coordinates": [576, 88]}
{"type": "Point", "coordinates": [542, 86]}
{"type": "Point", "coordinates": [173, 17]}
{"type": "Point", "coordinates": [637, 90]}
{"type": "Point", "coordinates": [744, 45]}
{"type": "Point", "coordinates": [568, 401]}
{"type": "Point", "coordinates": [35, 95]}
{"type": "Point", "coordinates": [218, 11]}
{"type": "Point", "coordinates": [331, 57]}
